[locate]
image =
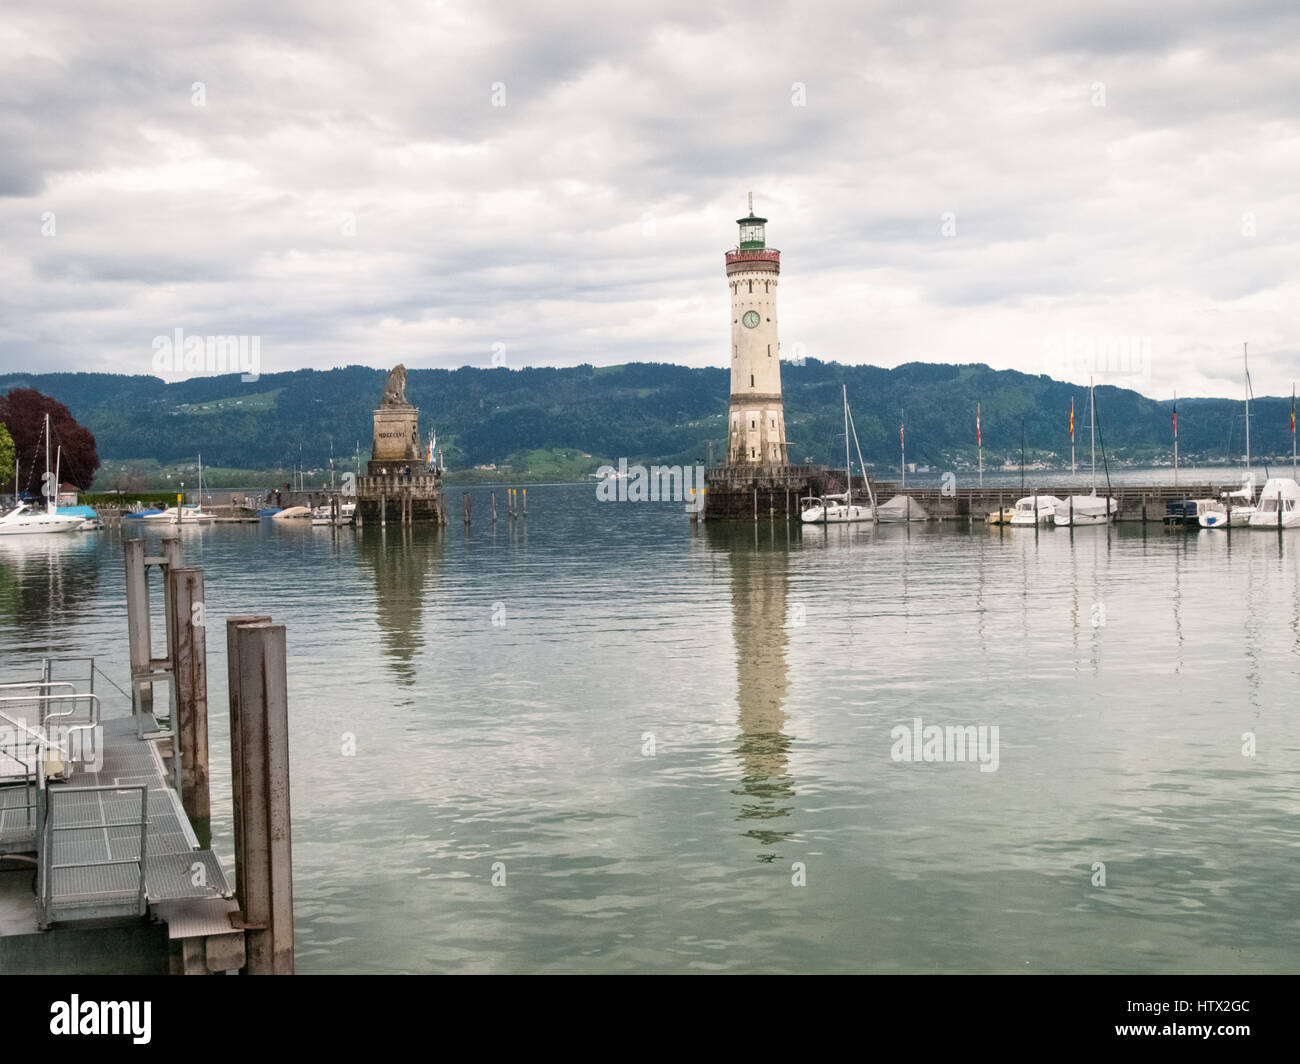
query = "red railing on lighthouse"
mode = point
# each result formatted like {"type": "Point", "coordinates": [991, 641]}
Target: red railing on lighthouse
{"type": "Point", "coordinates": [764, 255]}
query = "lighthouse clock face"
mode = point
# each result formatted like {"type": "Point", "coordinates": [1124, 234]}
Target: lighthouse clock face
{"type": "Point", "coordinates": [750, 319]}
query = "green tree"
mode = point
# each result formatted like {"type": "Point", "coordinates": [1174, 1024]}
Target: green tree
{"type": "Point", "coordinates": [6, 456]}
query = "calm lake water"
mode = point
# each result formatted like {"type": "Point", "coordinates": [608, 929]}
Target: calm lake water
{"type": "Point", "coordinates": [507, 687]}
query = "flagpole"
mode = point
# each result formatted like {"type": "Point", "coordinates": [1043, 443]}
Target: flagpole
{"type": "Point", "coordinates": [1175, 439]}
{"type": "Point", "coordinates": [1072, 467]}
{"type": "Point", "coordinates": [902, 451]}
{"type": "Point", "coordinates": [1293, 476]}
{"type": "Point", "coordinates": [979, 443]}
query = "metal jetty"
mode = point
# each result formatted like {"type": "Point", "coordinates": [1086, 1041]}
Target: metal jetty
{"type": "Point", "coordinates": [105, 865]}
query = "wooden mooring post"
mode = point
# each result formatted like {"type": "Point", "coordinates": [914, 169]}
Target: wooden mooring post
{"type": "Point", "coordinates": [259, 756]}
{"type": "Point", "coordinates": [494, 507]}
{"type": "Point", "coordinates": [468, 507]}
{"type": "Point", "coordinates": [188, 639]}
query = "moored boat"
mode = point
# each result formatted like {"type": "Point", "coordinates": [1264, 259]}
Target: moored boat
{"type": "Point", "coordinates": [1035, 510]}
{"type": "Point", "coordinates": [1085, 510]}
{"type": "Point", "coordinates": [837, 509]}
{"type": "Point", "coordinates": [1279, 505]}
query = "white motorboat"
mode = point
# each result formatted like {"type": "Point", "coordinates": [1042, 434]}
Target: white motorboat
{"type": "Point", "coordinates": [1279, 499]}
{"type": "Point", "coordinates": [322, 515]}
{"type": "Point", "coordinates": [1235, 509]}
{"type": "Point", "coordinates": [27, 520]}
{"type": "Point", "coordinates": [1035, 510]}
{"type": "Point", "coordinates": [838, 509]}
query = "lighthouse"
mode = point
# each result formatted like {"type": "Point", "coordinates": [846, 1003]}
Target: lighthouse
{"type": "Point", "coordinates": [756, 428]}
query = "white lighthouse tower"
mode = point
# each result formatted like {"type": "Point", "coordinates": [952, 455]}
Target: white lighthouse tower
{"type": "Point", "coordinates": [756, 430]}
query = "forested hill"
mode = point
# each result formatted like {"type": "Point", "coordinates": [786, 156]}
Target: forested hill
{"type": "Point", "coordinates": [641, 411]}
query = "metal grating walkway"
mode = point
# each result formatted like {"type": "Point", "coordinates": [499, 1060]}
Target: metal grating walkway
{"type": "Point", "coordinates": [93, 828]}
{"type": "Point", "coordinates": [17, 817]}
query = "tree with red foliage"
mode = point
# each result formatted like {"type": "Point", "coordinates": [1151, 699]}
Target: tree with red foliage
{"type": "Point", "coordinates": [23, 411]}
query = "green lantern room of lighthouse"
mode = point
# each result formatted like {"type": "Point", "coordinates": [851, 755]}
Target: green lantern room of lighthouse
{"type": "Point", "coordinates": [751, 230]}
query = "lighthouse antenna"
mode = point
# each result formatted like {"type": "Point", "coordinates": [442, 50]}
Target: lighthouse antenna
{"type": "Point", "coordinates": [751, 204]}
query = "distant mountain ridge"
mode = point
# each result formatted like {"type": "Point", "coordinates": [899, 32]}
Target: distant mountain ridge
{"type": "Point", "coordinates": [645, 412]}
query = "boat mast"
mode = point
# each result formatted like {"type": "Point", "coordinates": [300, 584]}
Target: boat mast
{"type": "Point", "coordinates": [1092, 417]}
{"type": "Point", "coordinates": [1246, 365]}
{"type": "Point", "coordinates": [871, 495]}
{"type": "Point", "coordinates": [848, 469]}
{"type": "Point", "coordinates": [58, 458]}
{"type": "Point", "coordinates": [47, 463]}
{"type": "Point", "coordinates": [1175, 439]}
{"type": "Point", "coordinates": [902, 451]}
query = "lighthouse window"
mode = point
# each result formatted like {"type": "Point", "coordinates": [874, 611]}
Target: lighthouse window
{"type": "Point", "coordinates": [751, 380]}
{"type": "Point", "coordinates": [765, 286]}
{"type": "Point", "coordinates": [769, 350]}
{"type": "Point", "coordinates": [751, 286]}
{"type": "Point", "coordinates": [753, 424]}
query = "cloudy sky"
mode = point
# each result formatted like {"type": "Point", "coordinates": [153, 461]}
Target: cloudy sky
{"type": "Point", "coordinates": [555, 183]}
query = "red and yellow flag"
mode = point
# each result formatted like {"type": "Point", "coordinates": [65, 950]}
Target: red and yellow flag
{"type": "Point", "coordinates": [1072, 419]}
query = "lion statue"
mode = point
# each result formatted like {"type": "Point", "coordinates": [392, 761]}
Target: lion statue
{"type": "Point", "coordinates": [395, 389]}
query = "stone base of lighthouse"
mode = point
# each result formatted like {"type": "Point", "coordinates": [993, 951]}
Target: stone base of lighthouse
{"type": "Point", "coordinates": [752, 492]}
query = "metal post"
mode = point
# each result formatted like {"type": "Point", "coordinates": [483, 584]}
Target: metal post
{"type": "Point", "coordinates": [755, 504]}
{"type": "Point", "coordinates": [137, 620]}
{"type": "Point", "coordinates": [467, 508]}
{"type": "Point", "coordinates": [383, 510]}
{"type": "Point", "coordinates": [525, 502]}
{"type": "Point", "coordinates": [260, 719]}
{"type": "Point", "coordinates": [236, 745]}
{"type": "Point", "coordinates": [494, 507]}
{"type": "Point", "coordinates": [190, 682]}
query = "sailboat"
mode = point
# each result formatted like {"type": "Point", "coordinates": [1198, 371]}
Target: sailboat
{"type": "Point", "coordinates": [841, 509]}
{"type": "Point", "coordinates": [1088, 509]}
{"type": "Point", "coordinates": [25, 520]}
{"type": "Point", "coordinates": [1239, 506]}
{"type": "Point", "coordinates": [184, 515]}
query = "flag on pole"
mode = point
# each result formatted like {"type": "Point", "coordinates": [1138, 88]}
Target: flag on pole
{"type": "Point", "coordinates": [1071, 418]}
{"type": "Point", "coordinates": [1293, 410]}
{"type": "Point", "coordinates": [429, 459]}
{"type": "Point", "coordinates": [977, 425]}
{"type": "Point", "coordinates": [1175, 419]}
{"type": "Point", "coordinates": [900, 435]}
